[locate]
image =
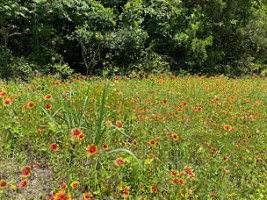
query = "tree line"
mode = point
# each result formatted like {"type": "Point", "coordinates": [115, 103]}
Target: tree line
{"type": "Point", "coordinates": [92, 37]}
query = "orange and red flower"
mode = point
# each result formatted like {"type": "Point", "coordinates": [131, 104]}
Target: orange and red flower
{"type": "Point", "coordinates": [91, 149]}
{"type": "Point", "coordinates": [154, 188]}
{"type": "Point", "coordinates": [87, 195]}
{"type": "Point", "coordinates": [119, 162]}
{"type": "Point", "coordinates": [36, 165]}
{"type": "Point", "coordinates": [181, 181]}
{"type": "Point", "coordinates": [30, 104]}
{"type": "Point", "coordinates": [23, 184]}
{"type": "Point", "coordinates": [3, 93]}
{"type": "Point", "coordinates": [3, 184]}
{"type": "Point", "coordinates": [81, 137]}
{"type": "Point", "coordinates": [126, 192]}
{"type": "Point", "coordinates": [175, 181]}
{"type": "Point", "coordinates": [12, 97]}
{"type": "Point", "coordinates": [63, 186]}
{"type": "Point", "coordinates": [75, 132]}
{"type": "Point", "coordinates": [47, 97]}
{"type": "Point", "coordinates": [61, 195]}
{"type": "Point", "coordinates": [7, 102]}
{"type": "Point", "coordinates": [74, 184]}
{"type": "Point", "coordinates": [48, 106]}
{"type": "Point", "coordinates": [175, 137]}
{"type": "Point", "coordinates": [119, 124]}
{"type": "Point", "coordinates": [228, 127]}
{"type": "Point", "coordinates": [152, 142]}
{"type": "Point", "coordinates": [174, 173]}
{"type": "Point", "coordinates": [54, 147]}
{"type": "Point", "coordinates": [27, 171]}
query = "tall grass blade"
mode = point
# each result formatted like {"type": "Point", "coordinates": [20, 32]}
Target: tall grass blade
{"type": "Point", "coordinates": [50, 117]}
{"type": "Point", "coordinates": [62, 108]}
{"type": "Point", "coordinates": [101, 114]}
{"type": "Point", "coordinates": [118, 129]}
{"type": "Point", "coordinates": [81, 115]}
{"type": "Point", "coordinates": [127, 151]}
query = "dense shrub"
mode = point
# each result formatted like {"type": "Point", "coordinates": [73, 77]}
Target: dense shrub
{"type": "Point", "coordinates": [90, 36]}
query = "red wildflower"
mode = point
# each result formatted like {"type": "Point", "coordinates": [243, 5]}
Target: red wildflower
{"type": "Point", "coordinates": [30, 104]}
{"type": "Point", "coordinates": [152, 142]}
{"type": "Point", "coordinates": [181, 181]}
{"type": "Point", "coordinates": [74, 184]}
{"type": "Point", "coordinates": [169, 133]}
{"type": "Point", "coordinates": [91, 149]}
{"type": "Point", "coordinates": [119, 161]}
{"type": "Point", "coordinates": [154, 188]}
{"type": "Point", "coordinates": [188, 169]}
{"type": "Point", "coordinates": [175, 181]}
{"type": "Point", "coordinates": [105, 146]}
{"type": "Point", "coordinates": [175, 137]}
{"type": "Point", "coordinates": [87, 196]}
{"type": "Point", "coordinates": [212, 195]}
{"type": "Point", "coordinates": [227, 127]}
{"type": "Point", "coordinates": [27, 171]}
{"type": "Point", "coordinates": [191, 175]}
{"type": "Point", "coordinates": [134, 143]}
{"type": "Point", "coordinates": [38, 131]}
{"type": "Point", "coordinates": [12, 97]}
{"type": "Point", "coordinates": [23, 184]}
{"type": "Point", "coordinates": [165, 101]}
{"type": "Point", "coordinates": [47, 97]}
{"type": "Point", "coordinates": [7, 102]}
{"type": "Point", "coordinates": [61, 195]}
{"type": "Point", "coordinates": [3, 184]}
{"type": "Point", "coordinates": [174, 173]}
{"type": "Point", "coordinates": [3, 93]}
{"type": "Point", "coordinates": [81, 137]}
{"type": "Point", "coordinates": [63, 186]}
{"type": "Point", "coordinates": [126, 192]}
{"type": "Point", "coordinates": [54, 147]}
{"type": "Point", "coordinates": [75, 132]}
{"type": "Point", "coordinates": [119, 124]}
{"type": "Point", "coordinates": [48, 106]}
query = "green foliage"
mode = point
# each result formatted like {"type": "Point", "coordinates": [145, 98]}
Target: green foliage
{"type": "Point", "coordinates": [91, 36]}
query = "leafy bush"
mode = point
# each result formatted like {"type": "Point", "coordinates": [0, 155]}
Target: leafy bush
{"type": "Point", "coordinates": [92, 36]}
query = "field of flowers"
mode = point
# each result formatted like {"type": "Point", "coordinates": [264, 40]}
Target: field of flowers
{"type": "Point", "coordinates": [137, 137]}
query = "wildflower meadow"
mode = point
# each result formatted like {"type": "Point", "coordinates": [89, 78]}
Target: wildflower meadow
{"type": "Point", "coordinates": [133, 137]}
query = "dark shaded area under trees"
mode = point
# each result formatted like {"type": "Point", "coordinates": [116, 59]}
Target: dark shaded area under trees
{"type": "Point", "coordinates": [92, 37]}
